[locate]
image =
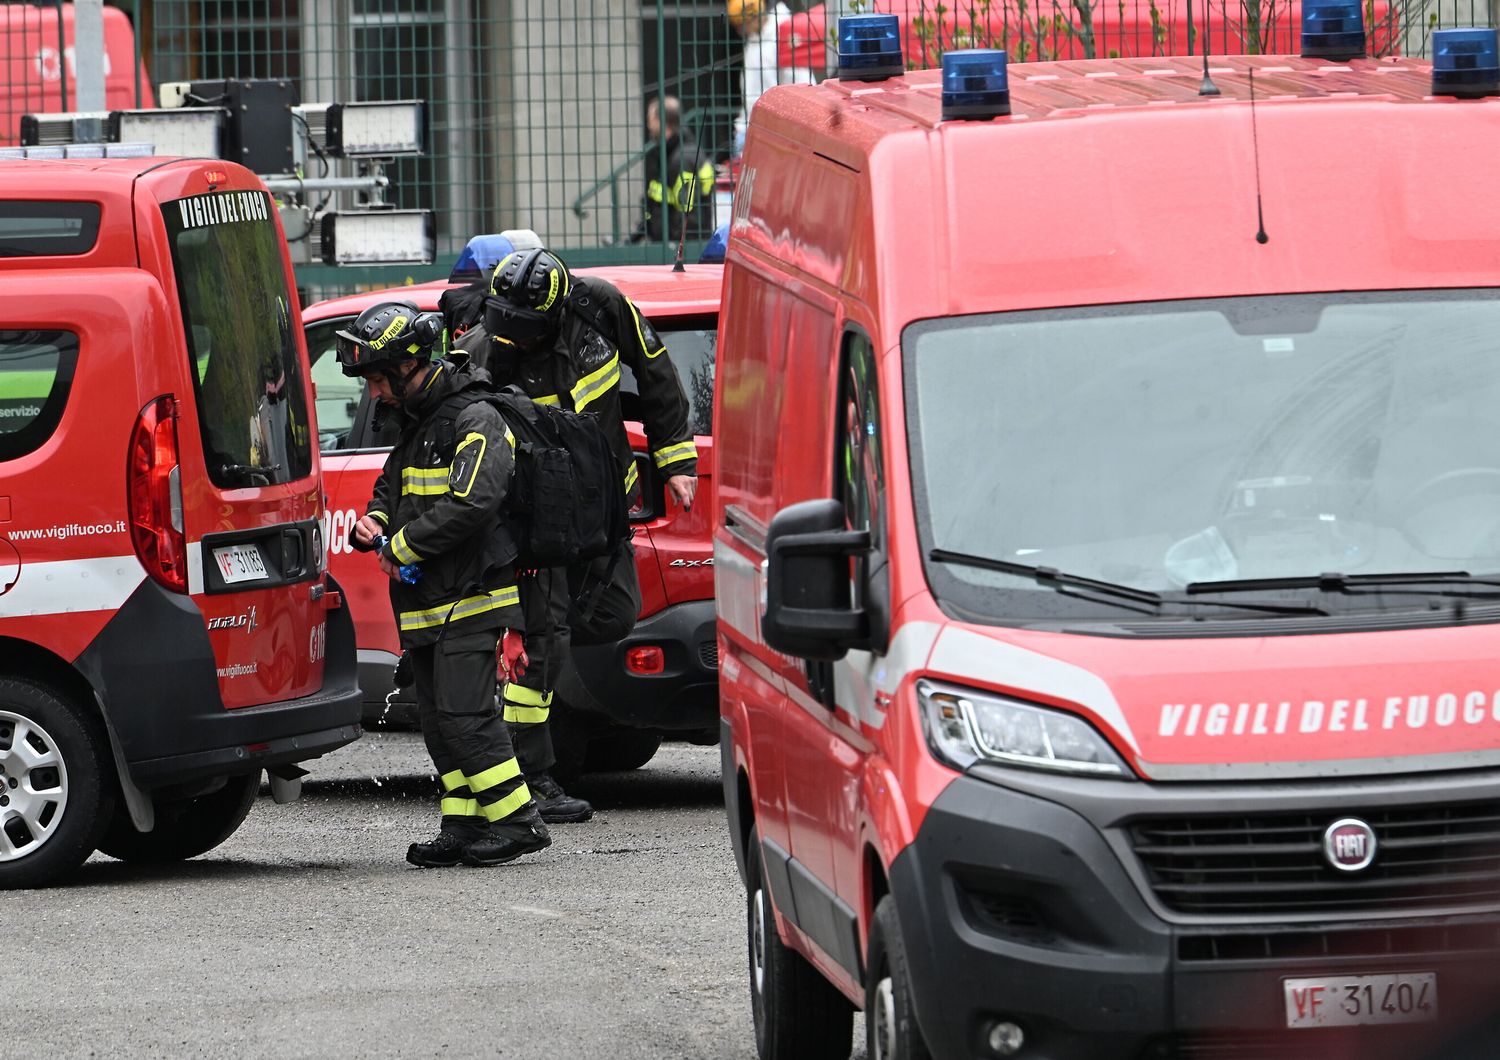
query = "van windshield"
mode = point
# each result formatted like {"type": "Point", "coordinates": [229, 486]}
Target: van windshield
{"type": "Point", "coordinates": [1166, 444]}
{"type": "Point", "coordinates": [238, 311]}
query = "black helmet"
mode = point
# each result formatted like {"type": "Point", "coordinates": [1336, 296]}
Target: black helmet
{"type": "Point", "coordinates": [527, 293]}
{"type": "Point", "coordinates": [385, 335]}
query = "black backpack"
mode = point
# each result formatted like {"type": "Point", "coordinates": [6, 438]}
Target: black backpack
{"type": "Point", "coordinates": [567, 502]}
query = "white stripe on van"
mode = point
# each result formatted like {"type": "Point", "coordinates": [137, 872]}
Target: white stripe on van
{"type": "Point", "coordinates": [70, 585]}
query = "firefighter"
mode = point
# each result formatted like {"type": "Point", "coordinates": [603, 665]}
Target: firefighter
{"type": "Point", "coordinates": [564, 339]}
{"type": "Point", "coordinates": [435, 519]}
{"type": "Point", "coordinates": [685, 196]}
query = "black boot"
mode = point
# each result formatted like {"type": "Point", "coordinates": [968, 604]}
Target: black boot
{"type": "Point", "coordinates": [521, 833]}
{"type": "Point", "coordinates": [555, 805]}
{"type": "Point", "coordinates": [447, 849]}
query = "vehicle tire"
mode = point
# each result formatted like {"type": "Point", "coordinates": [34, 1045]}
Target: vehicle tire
{"type": "Point", "coordinates": [798, 1014]}
{"type": "Point", "coordinates": [621, 750]}
{"type": "Point", "coordinates": [58, 789]}
{"type": "Point", "coordinates": [891, 1031]}
{"type": "Point", "coordinates": [184, 828]}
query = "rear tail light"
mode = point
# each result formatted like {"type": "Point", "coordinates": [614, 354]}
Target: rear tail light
{"type": "Point", "coordinates": [645, 659]}
{"type": "Point", "coordinates": [155, 487]}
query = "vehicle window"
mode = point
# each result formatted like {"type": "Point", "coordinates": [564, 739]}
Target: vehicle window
{"type": "Point", "coordinates": [692, 343]}
{"type": "Point", "coordinates": [38, 228]}
{"type": "Point", "coordinates": [337, 395]}
{"type": "Point", "coordinates": [858, 466]}
{"type": "Point", "coordinates": [1162, 444]}
{"type": "Point", "coordinates": [36, 372]}
{"type": "Point", "coordinates": [237, 310]}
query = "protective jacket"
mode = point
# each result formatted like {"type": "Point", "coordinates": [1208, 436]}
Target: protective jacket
{"type": "Point", "coordinates": [439, 497]}
{"type": "Point", "coordinates": [687, 188]}
{"type": "Point", "coordinates": [602, 331]}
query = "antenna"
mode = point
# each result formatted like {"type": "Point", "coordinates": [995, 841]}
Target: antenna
{"type": "Point", "coordinates": [1206, 87]}
{"type": "Point", "coordinates": [1260, 217]}
{"type": "Point", "coordinates": [692, 204]}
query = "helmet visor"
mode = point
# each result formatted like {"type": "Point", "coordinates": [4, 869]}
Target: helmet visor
{"type": "Point", "coordinates": [354, 357]}
{"type": "Point", "coordinates": [527, 328]}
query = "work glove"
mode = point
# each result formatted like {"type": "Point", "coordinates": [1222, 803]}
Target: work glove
{"type": "Point", "coordinates": [513, 660]}
{"type": "Point", "coordinates": [403, 676]}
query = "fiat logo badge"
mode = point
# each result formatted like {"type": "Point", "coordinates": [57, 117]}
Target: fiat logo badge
{"type": "Point", "coordinates": [1349, 844]}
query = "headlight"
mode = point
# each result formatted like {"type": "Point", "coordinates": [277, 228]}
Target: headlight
{"type": "Point", "coordinates": [964, 727]}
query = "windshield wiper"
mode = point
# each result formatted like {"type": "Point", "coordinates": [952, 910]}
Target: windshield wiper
{"type": "Point", "coordinates": [250, 470]}
{"type": "Point", "coordinates": [1458, 582]}
{"type": "Point", "coordinates": [1066, 583]}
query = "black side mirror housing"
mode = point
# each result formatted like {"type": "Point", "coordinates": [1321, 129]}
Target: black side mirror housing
{"type": "Point", "coordinates": [809, 611]}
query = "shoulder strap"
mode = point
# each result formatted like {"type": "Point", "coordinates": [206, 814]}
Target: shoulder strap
{"type": "Point", "coordinates": [583, 305]}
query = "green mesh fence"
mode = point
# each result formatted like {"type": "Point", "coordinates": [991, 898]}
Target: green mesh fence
{"type": "Point", "coordinates": [537, 107]}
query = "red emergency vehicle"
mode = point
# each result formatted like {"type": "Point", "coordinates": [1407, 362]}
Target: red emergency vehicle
{"type": "Point", "coordinates": [1108, 561]}
{"type": "Point", "coordinates": [663, 678]}
{"type": "Point", "coordinates": [167, 629]}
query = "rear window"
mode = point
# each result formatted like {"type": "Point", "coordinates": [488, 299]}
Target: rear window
{"type": "Point", "coordinates": [37, 228]}
{"type": "Point", "coordinates": [36, 372]}
{"type": "Point", "coordinates": [692, 344]}
{"type": "Point", "coordinates": [238, 311]}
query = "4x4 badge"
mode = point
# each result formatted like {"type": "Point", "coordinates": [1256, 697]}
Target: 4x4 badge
{"type": "Point", "coordinates": [1349, 844]}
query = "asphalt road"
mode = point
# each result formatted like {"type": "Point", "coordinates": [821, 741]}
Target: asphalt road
{"type": "Point", "coordinates": [307, 934]}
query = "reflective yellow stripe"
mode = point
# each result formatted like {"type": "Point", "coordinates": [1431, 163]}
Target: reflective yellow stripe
{"type": "Point", "coordinates": [401, 550]}
{"type": "Point", "coordinates": [596, 383]}
{"type": "Point", "coordinates": [511, 438]}
{"type": "Point", "coordinates": [468, 607]}
{"type": "Point", "coordinates": [672, 453]}
{"type": "Point", "coordinates": [498, 811]}
{"type": "Point", "coordinates": [706, 178]}
{"type": "Point", "coordinates": [526, 715]}
{"type": "Point", "coordinates": [641, 333]}
{"type": "Point", "coordinates": [506, 770]}
{"type": "Point", "coordinates": [653, 190]}
{"type": "Point", "coordinates": [424, 481]}
{"type": "Point", "coordinates": [631, 477]}
{"type": "Point", "coordinates": [460, 807]}
{"type": "Point", "coordinates": [379, 517]}
{"type": "Point", "coordinates": [527, 697]}
{"type": "Point", "coordinates": [546, 399]}
{"type": "Point", "coordinates": [454, 780]}
{"type": "Point", "coordinates": [470, 439]}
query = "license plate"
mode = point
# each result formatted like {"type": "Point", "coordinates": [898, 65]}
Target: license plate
{"type": "Point", "coordinates": [240, 563]}
{"type": "Point", "coordinates": [1350, 1000]}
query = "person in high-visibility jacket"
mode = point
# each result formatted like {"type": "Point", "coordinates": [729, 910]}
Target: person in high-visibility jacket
{"type": "Point", "coordinates": [435, 518]}
{"type": "Point", "coordinates": [683, 193]}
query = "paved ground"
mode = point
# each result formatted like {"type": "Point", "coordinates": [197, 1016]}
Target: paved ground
{"type": "Point", "coordinates": [307, 934]}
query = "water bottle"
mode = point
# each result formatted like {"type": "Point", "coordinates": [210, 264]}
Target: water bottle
{"type": "Point", "coordinates": [410, 572]}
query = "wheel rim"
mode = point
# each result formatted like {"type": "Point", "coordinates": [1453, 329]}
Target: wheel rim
{"type": "Point", "coordinates": [883, 1021]}
{"type": "Point", "coordinates": [758, 943]}
{"type": "Point", "coordinates": [33, 786]}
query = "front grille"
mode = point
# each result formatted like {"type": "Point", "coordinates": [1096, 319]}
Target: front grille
{"type": "Point", "coordinates": [1406, 941]}
{"type": "Point", "coordinates": [1273, 863]}
{"type": "Point", "coordinates": [708, 654]}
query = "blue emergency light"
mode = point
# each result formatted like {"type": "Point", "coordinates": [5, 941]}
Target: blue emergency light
{"type": "Point", "coordinates": [1465, 63]}
{"type": "Point", "coordinates": [975, 84]}
{"type": "Point", "coordinates": [869, 48]}
{"type": "Point", "coordinates": [482, 253]}
{"type": "Point", "coordinates": [1332, 29]}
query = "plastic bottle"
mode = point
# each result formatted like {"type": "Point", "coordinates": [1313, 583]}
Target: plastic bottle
{"type": "Point", "coordinates": [411, 573]}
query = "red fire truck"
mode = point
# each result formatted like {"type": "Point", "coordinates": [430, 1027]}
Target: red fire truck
{"type": "Point", "coordinates": [1108, 557]}
{"type": "Point", "coordinates": [619, 698]}
{"type": "Point", "coordinates": [167, 628]}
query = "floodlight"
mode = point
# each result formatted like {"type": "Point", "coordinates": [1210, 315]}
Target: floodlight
{"type": "Point", "coordinates": [193, 132]}
{"type": "Point", "coordinates": [59, 128]}
{"type": "Point", "coordinates": [378, 237]}
{"type": "Point", "coordinates": [377, 130]}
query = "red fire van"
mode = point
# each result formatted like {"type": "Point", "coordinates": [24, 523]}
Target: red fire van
{"type": "Point", "coordinates": [1108, 561]}
{"type": "Point", "coordinates": [167, 629]}
{"type": "Point", "coordinates": [620, 698]}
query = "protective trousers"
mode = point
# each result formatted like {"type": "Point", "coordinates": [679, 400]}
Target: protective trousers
{"type": "Point", "coordinates": [589, 603]}
{"type": "Point", "coordinates": [468, 740]}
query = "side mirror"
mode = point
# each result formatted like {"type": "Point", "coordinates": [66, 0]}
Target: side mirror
{"type": "Point", "coordinates": [809, 612]}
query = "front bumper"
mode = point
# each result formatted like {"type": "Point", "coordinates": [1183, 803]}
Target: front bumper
{"type": "Point", "coordinates": [1015, 906]}
{"type": "Point", "coordinates": [152, 669]}
{"type": "Point", "coordinates": [683, 698]}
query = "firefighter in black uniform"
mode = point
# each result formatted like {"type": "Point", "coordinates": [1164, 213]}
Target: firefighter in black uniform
{"type": "Point", "coordinates": [563, 339]}
{"type": "Point", "coordinates": [436, 506]}
{"type": "Point", "coordinates": [685, 195]}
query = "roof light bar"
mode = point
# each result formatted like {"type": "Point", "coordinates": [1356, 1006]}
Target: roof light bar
{"type": "Point", "coordinates": [192, 132]}
{"type": "Point", "coordinates": [1332, 29]}
{"type": "Point", "coordinates": [377, 130]}
{"type": "Point", "coordinates": [869, 48]}
{"type": "Point", "coordinates": [975, 84]}
{"type": "Point", "coordinates": [1465, 63]}
{"type": "Point", "coordinates": [39, 130]}
{"type": "Point", "coordinates": [379, 237]}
